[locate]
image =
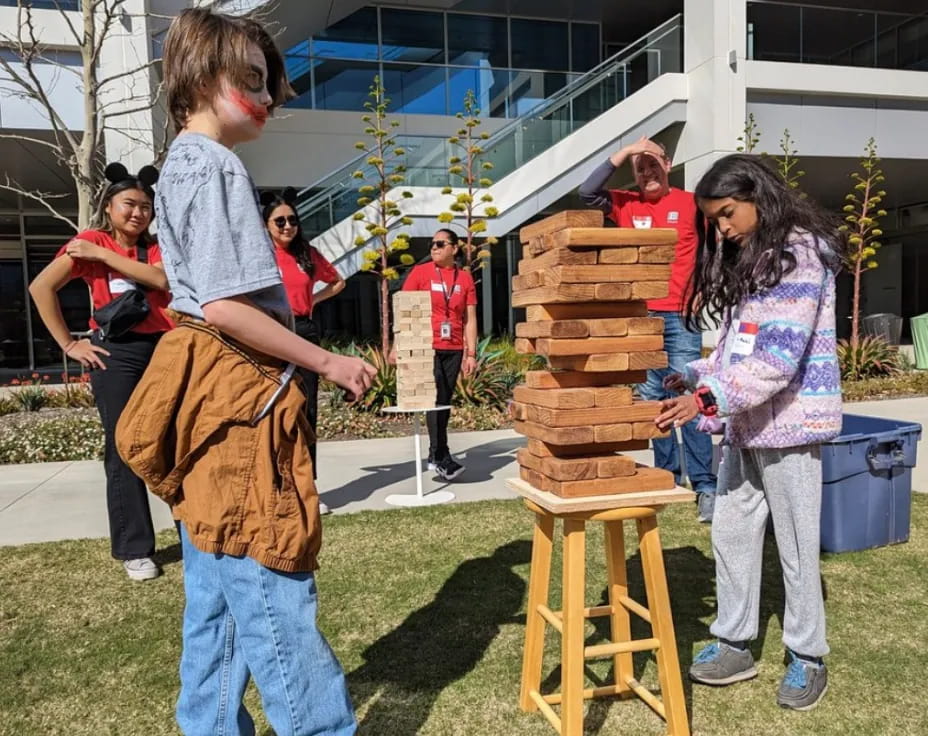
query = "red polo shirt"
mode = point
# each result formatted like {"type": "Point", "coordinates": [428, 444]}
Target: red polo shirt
{"type": "Point", "coordinates": [677, 209]}
{"type": "Point", "coordinates": [299, 284]}
{"type": "Point", "coordinates": [458, 286]}
{"type": "Point", "coordinates": [106, 284]}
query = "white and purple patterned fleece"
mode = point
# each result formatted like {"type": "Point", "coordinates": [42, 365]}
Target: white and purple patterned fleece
{"type": "Point", "coordinates": [787, 392]}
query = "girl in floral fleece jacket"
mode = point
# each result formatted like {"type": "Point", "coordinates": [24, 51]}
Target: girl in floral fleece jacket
{"type": "Point", "coordinates": [766, 271]}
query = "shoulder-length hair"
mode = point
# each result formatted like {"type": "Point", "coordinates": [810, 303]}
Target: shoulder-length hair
{"type": "Point", "coordinates": [299, 247]}
{"type": "Point", "coordinates": [122, 181]}
{"type": "Point", "coordinates": [726, 273]}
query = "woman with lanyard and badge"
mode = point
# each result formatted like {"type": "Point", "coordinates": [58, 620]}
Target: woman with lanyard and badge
{"type": "Point", "coordinates": [121, 263]}
{"type": "Point", "coordinates": [454, 338]}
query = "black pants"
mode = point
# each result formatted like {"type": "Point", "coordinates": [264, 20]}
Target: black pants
{"type": "Point", "coordinates": [447, 367]}
{"type": "Point", "coordinates": [132, 534]}
{"type": "Point", "coordinates": [309, 330]}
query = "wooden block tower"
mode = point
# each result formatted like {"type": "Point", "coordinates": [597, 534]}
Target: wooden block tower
{"type": "Point", "coordinates": [584, 289]}
{"type": "Point", "coordinates": [412, 328]}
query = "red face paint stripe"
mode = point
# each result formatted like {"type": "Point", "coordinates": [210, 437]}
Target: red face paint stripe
{"type": "Point", "coordinates": [258, 113]}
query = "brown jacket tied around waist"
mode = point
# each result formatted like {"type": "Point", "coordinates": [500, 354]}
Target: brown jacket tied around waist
{"type": "Point", "coordinates": [240, 486]}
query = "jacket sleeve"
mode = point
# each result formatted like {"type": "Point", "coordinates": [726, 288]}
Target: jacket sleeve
{"type": "Point", "coordinates": [593, 192]}
{"type": "Point", "coordinates": [786, 316]}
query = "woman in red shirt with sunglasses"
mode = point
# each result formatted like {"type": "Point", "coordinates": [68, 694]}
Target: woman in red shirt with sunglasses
{"type": "Point", "coordinates": [301, 267]}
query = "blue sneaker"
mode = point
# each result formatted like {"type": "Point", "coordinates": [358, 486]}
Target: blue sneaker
{"type": "Point", "coordinates": [721, 664]}
{"type": "Point", "coordinates": [804, 684]}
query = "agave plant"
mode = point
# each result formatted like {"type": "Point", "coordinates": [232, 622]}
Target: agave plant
{"type": "Point", "coordinates": [382, 392]}
{"type": "Point", "coordinates": [490, 384]}
{"type": "Point", "coordinates": [871, 356]}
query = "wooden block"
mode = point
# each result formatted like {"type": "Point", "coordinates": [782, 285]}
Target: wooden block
{"type": "Point", "coordinates": [603, 274]}
{"type": "Point", "coordinates": [560, 221]}
{"type": "Point", "coordinates": [644, 326]}
{"type": "Point", "coordinates": [569, 293]}
{"type": "Point", "coordinates": [576, 379]}
{"type": "Point", "coordinates": [578, 468]}
{"type": "Point", "coordinates": [591, 345]}
{"type": "Point", "coordinates": [524, 346]}
{"type": "Point", "coordinates": [650, 290]}
{"type": "Point", "coordinates": [639, 411]}
{"type": "Point", "coordinates": [539, 312]}
{"type": "Point", "coordinates": [518, 411]}
{"type": "Point", "coordinates": [564, 398]}
{"type": "Point", "coordinates": [649, 360]}
{"type": "Point", "coordinates": [647, 431]}
{"type": "Point", "coordinates": [656, 254]}
{"type": "Point", "coordinates": [558, 435]}
{"type": "Point", "coordinates": [617, 327]}
{"type": "Point", "coordinates": [553, 328]}
{"type": "Point", "coordinates": [611, 396]}
{"type": "Point", "coordinates": [557, 257]}
{"type": "Point", "coordinates": [578, 235]}
{"type": "Point", "coordinates": [580, 504]}
{"type": "Point", "coordinates": [614, 433]}
{"type": "Point", "coordinates": [529, 280]}
{"type": "Point", "coordinates": [593, 363]}
{"type": "Point", "coordinates": [612, 256]}
{"type": "Point", "coordinates": [644, 479]}
{"type": "Point", "coordinates": [545, 449]}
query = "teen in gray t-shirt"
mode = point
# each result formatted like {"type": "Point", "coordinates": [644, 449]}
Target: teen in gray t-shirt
{"type": "Point", "coordinates": [213, 242]}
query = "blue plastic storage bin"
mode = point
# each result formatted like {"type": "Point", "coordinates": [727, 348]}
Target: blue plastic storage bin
{"type": "Point", "coordinates": [867, 483]}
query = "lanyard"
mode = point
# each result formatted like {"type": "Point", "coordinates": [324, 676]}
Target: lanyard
{"type": "Point", "coordinates": [444, 291]}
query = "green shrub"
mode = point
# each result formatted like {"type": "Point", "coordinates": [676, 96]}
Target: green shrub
{"type": "Point", "coordinates": [490, 384]}
{"type": "Point", "coordinates": [338, 420]}
{"type": "Point", "coordinates": [870, 357]}
{"type": "Point", "coordinates": [49, 440]}
{"type": "Point", "coordinates": [8, 405]}
{"type": "Point", "coordinates": [76, 396]}
{"type": "Point", "coordinates": [899, 385]}
{"type": "Point", "coordinates": [31, 398]}
{"type": "Point", "coordinates": [471, 418]}
{"type": "Point", "coordinates": [382, 392]}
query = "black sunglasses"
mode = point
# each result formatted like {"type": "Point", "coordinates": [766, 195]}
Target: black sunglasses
{"type": "Point", "coordinates": [441, 243]}
{"type": "Point", "coordinates": [291, 220]}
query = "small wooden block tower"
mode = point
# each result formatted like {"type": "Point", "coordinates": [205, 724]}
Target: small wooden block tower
{"type": "Point", "coordinates": [584, 289]}
{"type": "Point", "coordinates": [412, 327]}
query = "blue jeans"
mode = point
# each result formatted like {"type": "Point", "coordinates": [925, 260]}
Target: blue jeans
{"type": "Point", "coordinates": [682, 347]}
{"type": "Point", "coordinates": [242, 619]}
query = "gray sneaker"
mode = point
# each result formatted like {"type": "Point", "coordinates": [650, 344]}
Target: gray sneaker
{"type": "Point", "coordinates": [720, 664]}
{"type": "Point", "coordinates": [705, 507]}
{"type": "Point", "coordinates": [804, 684]}
{"type": "Point", "coordinates": [143, 568]}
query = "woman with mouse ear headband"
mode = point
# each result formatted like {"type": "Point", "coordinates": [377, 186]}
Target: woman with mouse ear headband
{"type": "Point", "coordinates": [121, 264]}
{"type": "Point", "coordinates": [302, 269]}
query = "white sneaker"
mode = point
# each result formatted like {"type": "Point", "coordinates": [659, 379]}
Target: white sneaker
{"type": "Point", "coordinates": [143, 568]}
{"type": "Point", "coordinates": [324, 509]}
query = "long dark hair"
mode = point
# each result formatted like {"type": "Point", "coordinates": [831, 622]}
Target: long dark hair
{"type": "Point", "coordinates": [120, 180]}
{"type": "Point", "coordinates": [299, 247]}
{"type": "Point", "coordinates": [726, 272]}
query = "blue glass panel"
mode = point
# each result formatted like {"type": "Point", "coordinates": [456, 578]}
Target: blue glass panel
{"type": "Point", "coordinates": [415, 89]}
{"type": "Point", "coordinates": [412, 35]}
{"type": "Point", "coordinates": [354, 37]}
{"type": "Point", "coordinates": [343, 85]}
{"type": "Point", "coordinates": [489, 85]}
{"type": "Point", "coordinates": [476, 38]}
{"type": "Point", "coordinates": [539, 44]}
{"type": "Point", "coordinates": [584, 46]}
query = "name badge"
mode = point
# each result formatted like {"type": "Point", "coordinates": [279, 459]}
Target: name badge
{"type": "Point", "coordinates": [745, 338]}
{"type": "Point", "coordinates": [119, 285]}
{"type": "Point", "coordinates": [641, 222]}
{"type": "Point", "coordinates": [445, 331]}
{"type": "Point", "coordinates": [673, 217]}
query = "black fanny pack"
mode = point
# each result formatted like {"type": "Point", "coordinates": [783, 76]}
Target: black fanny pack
{"type": "Point", "coordinates": [126, 310]}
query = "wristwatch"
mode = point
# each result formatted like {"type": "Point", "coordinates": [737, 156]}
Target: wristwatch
{"type": "Point", "coordinates": [705, 402]}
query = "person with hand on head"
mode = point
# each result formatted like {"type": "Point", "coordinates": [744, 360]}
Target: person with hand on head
{"type": "Point", "coordinates": [454, 338]}
{"type": "Point", "coordinates": [121, 263]}
{"type": "Point", "coordinates": [216, 426]}
{"type": "Point", "coordinates": [301, 266]}
{"type": "Point", "coordinates": [766, 271]}
{"type": "Point", "coordinates": [658, 205]}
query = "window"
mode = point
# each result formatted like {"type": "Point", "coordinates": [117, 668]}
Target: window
{"type": "Point", "coordinates": [539, 44]}
{"type": "Point", "coordinates": [584, 46]}
{"type": "Point", "coordinates": [412, 35]}
{"type": "Point", "coordinates": [354, 37]}
{"type": "Point", "coordinates": [473, 39]}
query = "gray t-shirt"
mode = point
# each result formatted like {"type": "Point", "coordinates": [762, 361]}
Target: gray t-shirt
{"type": "Point", "coordinates": [213, 242]}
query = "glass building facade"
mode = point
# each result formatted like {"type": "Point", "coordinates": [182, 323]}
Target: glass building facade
{"type": "Point", "coordinates": [428, 59]}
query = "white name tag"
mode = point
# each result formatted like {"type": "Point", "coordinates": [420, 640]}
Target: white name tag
{"type": "Point", "coordinates": [745, 338]}
{"type": "Point", "coordinates": [119, 285]}
{"type": "Point", "coordinates": [437, 287]}
{"type": "Point", "coordinates": [641, 222]}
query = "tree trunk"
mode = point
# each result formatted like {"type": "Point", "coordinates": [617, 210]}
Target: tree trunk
{"type": "Point", "coordinates": [86, 177]}
{"type": "Point", "coordinates": [384, 316]}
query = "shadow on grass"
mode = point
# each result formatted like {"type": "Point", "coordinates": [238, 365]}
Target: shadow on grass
{"type": "Point", "coordinates": [406, 670]}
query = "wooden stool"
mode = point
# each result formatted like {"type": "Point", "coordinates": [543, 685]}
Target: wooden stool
{"type": "Point", "coordinates": [570, 621]}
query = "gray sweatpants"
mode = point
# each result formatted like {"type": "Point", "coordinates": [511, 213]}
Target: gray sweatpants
{"type": "Point", "coordinates": [786, 483]}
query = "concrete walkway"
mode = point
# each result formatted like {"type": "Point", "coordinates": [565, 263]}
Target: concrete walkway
{"type": "Point", "coordinates": [43, 502]}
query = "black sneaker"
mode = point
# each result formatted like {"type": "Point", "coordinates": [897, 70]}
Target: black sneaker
{"type": "Point", "coordinates": [448, 468]}
{"type": "Point", "coordinates": [804, 684]}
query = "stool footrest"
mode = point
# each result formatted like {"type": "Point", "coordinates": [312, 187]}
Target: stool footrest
{"type": "Point", "coordinates": [647, 696]}
{"type": "Point", "coordinates": [547, 710]}
{"type": "Point", "coordinates": [552, 617]}
{"type": "Point", "coordinates": [620, 647]}
{"type": "Point", "coordinates": [635, 607]}
{"type": "Point", "coordinates": [588, 694]}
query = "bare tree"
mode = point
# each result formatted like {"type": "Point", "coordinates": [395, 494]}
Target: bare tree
{"type": "Point", "coordinates": [110, 101]}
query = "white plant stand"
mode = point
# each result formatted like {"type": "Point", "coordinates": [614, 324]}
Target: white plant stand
{"type": "Point", "coordinates": [419, 498]}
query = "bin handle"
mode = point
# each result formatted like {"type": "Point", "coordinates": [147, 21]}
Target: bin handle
{"type": "Point", "coordinates": [895, 459]}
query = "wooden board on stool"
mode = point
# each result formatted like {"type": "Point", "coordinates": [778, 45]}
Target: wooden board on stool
{"type": "Point", "coordinates": [560, 505]}
{"type": "Point", "coordinates": [645, 478]}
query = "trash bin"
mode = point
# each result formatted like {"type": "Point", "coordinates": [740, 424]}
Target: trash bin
{"type": "Point", "coordinates": [867, 483]}
{"type": "Point", "coordinates": [885, 325]}
{"type": "Point", "coordinates": [920, 338]}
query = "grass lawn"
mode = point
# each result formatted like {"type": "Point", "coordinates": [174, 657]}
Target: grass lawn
{"type": "Point", "coordinates": [425, 608]}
